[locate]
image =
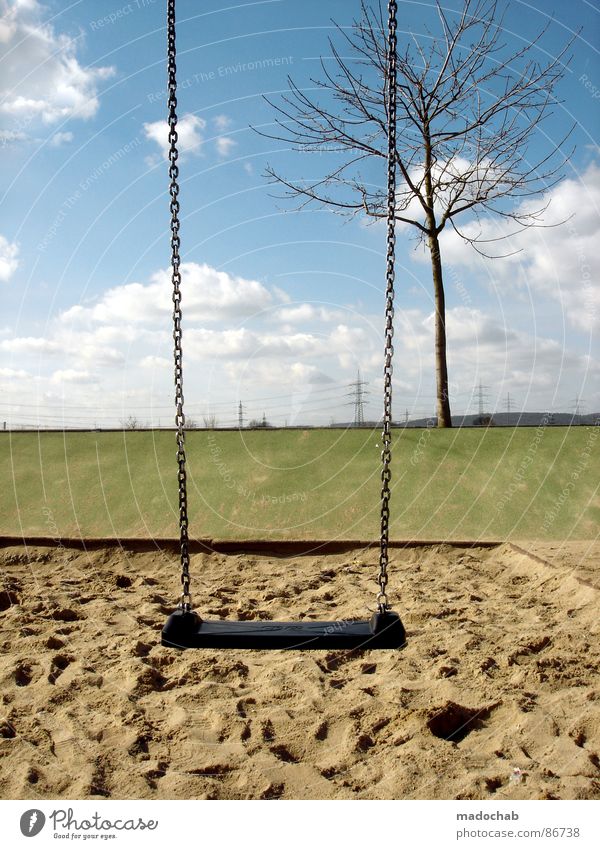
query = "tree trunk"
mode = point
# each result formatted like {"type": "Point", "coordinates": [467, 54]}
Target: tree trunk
{"type": "Point", "coordinates": [444, 418]}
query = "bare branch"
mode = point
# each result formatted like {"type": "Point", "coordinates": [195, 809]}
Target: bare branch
{"type": "Point", "coordinates": [468, 108]}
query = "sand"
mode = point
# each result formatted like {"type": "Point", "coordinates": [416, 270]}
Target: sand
{"type": "Point", "coordinates": [502, 645]}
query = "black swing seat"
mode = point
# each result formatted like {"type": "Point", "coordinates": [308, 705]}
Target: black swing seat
{"type": "Point", "coordinates": [185, 630]}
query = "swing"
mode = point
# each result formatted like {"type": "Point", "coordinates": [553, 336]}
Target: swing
{"type": "Point", "coordinates": [185, 629]}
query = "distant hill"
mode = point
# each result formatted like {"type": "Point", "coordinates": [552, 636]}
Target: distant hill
{"type": "Point", "coordinates": [519, 419]}
{"type": "Point", "coordinates": [500, 420]}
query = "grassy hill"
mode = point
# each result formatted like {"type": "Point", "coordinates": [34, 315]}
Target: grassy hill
{"type": "Point", "coordinates": [526, 483]}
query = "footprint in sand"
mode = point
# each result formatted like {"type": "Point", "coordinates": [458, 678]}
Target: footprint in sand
{"type": "Point", "coordinates": [148, 622]}
{"type": "Point", "coordinates": [123, 582]}
{"type": "Point", "coordinates": [148, 681]}
{"type": "Point", "coordinates": [243, 704]}
{"type": "Point", "coordinates": [329, 772]}
{"type": "Point", "coordinates": [446, 672]}
{"type": "Point", "coordinates": [164, 605]}
{"type": "Point", "coordinates": [9, 598]}
{"type": "Point", "coordinates": [488, 666]}
{"type": "Point", "coordinates": [273, 791]}
{"type": "Point", "coordinates": [221, 612]}
{"type": "Point", "coordinates": [532, 647]}
{"type": "Point", "coordinates": [223, 593]}
{"type": "Point", "coordinates": [23, 674]}
{"type": "Point", "coordinates": [271, 596]}
{"type": "Point", "coordinates": [283, 753]}
{"type": "Point", "coordinates": [226, 671]}
{"type": "Point", "coordinates": [380, 724]}
{"type": "Point", "coordinates": [249, 615]}
{"type": "Point", "coordinates": [148, 582]}
{"type": "Point", "coordinates": [98, 784]}
{"type": "Point", "coordinates": [152, 775]}
{"type": "Point", "coordinates": [268, 731]}
{"type": "Point", "coordinates": [58, 666]}
{"type": "Point", "coordinates": [66, 614]}
{"type": "Point", "coordinates": [327, 575]}
{"type": "Point", "coordinates": [139, 747]}
{"type": "Point", "coordinates": [336, 660]}
{"type": "Point", "coordinates": [7, 730]}
{"type": "Point", "coordinates": [33, 776]}
{"type": "Point", "coordinates": [364, 743]}
{"type": "Point", "coordinates": [322, 731]}
{"type": "Point", "coordinates": [454, 722]}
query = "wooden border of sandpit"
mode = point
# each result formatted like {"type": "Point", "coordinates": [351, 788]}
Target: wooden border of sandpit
{"type": "Point", "coordinates": [291, 547]}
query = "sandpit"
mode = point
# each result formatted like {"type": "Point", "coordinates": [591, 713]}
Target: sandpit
{"type": "Point", "coordinates": [500, 674]}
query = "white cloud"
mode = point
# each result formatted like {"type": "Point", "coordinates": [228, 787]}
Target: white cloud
{"type": "Point", "coordinates": [9, 252]}
{"type": "Point", "coordinates": [83, 346]}
{"type": "Point", "coordinates": [350, 343]}
{"type": "Point", "coordinates": [222, 122]}
{"type": "Point", "coordinates": [14, 373]}
{"type": "Point", "coordinates": [208, 295]}
{"type": "Point", "coordinates": [282, 295]}
{"type": "Point", "coordinates": [72, 376]}
{"type": "Point", "coordinates": [225, 145]}
{"type": "Point", "coordinates": [241, 335]}
{"type": "Point", "coordinates": [275, 373]}
{"type": "Point", "coordinates": [8, 138]}
{"type": "Point", "coordinates": [474, 178]}
{"type": "Point", "coordinates": [90, 349]}
{"type": "Point", "coordinates": [562, 262]}
{"type": "Point", "coordinates": [243, 343]}
{"type": "Point", "coordinates": [300, 313]}
{"type": "Point", "coordinates": [483, 347]}
{"type": "Point", "coordinates": [42, 79]}
{"type": "Point", "coordinates": [58, 139]}
{"type": "Point", "coordinates": [31, 345]}
{"type": "Point", "coordinates": [297, 313]}
{"type": "Point", "coordinates": [341, 345]}
{"type": "Point", "coordinates": [189, 131]}
{"type": "Point", "coordinates": [154, 362]}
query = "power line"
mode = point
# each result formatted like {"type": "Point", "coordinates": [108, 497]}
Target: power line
{"type": "Point", "coordinates": [329, 387]}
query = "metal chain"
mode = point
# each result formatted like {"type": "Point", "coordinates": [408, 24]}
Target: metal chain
{"type": "Point", "coordinates": [386, 436]}
{"type": "Point", "coordinates": [186, 599]}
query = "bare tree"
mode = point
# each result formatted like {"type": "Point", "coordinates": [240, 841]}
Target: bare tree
{"type": "Point", "coordinates": [131, 423]}
{"type": "Point", "coordinates": [210, 421]}
{"type": "Point", "coordinates": [468, 109]}
{"type": "Point", "coordinates": [259, 423]}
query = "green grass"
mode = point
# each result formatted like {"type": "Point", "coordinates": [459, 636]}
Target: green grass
{"type": "Point", "coordinates": [473, 483]}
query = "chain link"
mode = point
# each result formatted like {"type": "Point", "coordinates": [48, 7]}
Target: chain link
{"type": "Point", "coordinates": [386, 436]}
{"type": "Point", "coordinates": [186, 599]}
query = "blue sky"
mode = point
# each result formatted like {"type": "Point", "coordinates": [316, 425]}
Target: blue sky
{"type": "Point", "coordinates": [281, 307]}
